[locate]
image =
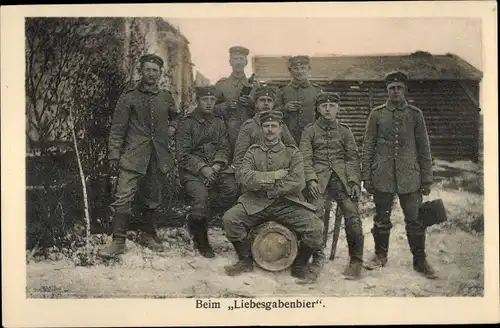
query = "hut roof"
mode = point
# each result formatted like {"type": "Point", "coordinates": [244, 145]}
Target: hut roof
{"type": "Point", "coordinates": [419, 65]}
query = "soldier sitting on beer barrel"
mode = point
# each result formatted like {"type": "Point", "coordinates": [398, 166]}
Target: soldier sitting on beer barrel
{"type": "Point", "coordinates": [332, 164]}
{"type": "Point", "coordinates": [272, 176]}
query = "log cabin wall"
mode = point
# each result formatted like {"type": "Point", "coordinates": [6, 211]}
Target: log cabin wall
{"type": "Point", "coordinates": [451, 115]}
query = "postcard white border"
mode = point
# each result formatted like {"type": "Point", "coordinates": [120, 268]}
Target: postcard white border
{"type": "Point", "coordinates": [17, 311]}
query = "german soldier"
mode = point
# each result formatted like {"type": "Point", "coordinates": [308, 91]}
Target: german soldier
{"type": "Point", "coordinates": [251, 131]}
{"type": "Point", "coordinates": [296, 99]}
{"type": "Point", "coordinates": [397, 160]}
{"type": "Point", "coordinates": [203, 152]}
{"type": "Point", "coordinates": [143, 123]}
{"type": "Point", "coordinates": [332, 164]}
{"type": "Point", "coordinates": [234, 106]}
{"type": "Point", "coordinates": [272, 176]}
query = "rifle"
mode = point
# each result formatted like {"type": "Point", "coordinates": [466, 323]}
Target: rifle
{"type": "Point", "coordinates": [326, 218]}
{"type": "Point", "coordinates": [336, 232]}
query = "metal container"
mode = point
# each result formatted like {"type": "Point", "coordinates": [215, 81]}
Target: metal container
{"type": "Point", "coordinates": [274, 246]}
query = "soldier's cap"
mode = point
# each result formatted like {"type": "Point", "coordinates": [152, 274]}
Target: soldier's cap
{"type": "Point", "coordinates": [151, 58]}
{"type": "Point", "coordinates": [239, 50]}
{"type": "Point", "coordinates": [395, 76]}
{"type": "Point", "coordinates": [265, 91]}
{"type": "Point", "coordinates": [270, 115]}
{"type": "Point", "coordinates": [205, 91]}
{"type": "Point", "coordinates": [298, 60]}
{"type": "Point", "coordinates": [327, 97]}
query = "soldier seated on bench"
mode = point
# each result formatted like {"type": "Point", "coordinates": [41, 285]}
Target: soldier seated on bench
{"type": "Point", "coordinates": [272, 176]}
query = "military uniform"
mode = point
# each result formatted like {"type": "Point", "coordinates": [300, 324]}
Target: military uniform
{"type": "Point", "coordinates": [229, 89]}
{"type": "Point", "coordinates": [397, 160]}
{"type": "Point", "coordinates": [202, 140]}
{"type": "Point", "coordinates": [251, 132]}
{"type": "Point", "coordinates": [302, 91]}
{"type": "Point", "coordinates": [139, 139]}
{"type": "Point", "coordinates": [266, 198]}
{"type": "Point", "coordinates": [331, 159]}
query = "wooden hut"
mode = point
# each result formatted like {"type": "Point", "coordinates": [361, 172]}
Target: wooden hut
{"type": "Point", "coordinates": [445, 87]}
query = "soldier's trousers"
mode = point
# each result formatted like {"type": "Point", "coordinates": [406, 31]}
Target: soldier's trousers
{"type": "Point", "coordinates": [410, 203]}
{"type": "Point", "coordinates": [337, 191]}
{"type": "Point", "coordinates": [302, 221]}
{"type": "Point", "coordinates": [350, 210]}
{"type": "Point", "coordinates": [131, 182]}
{"type": "Point", "coordinates": [207, 200]}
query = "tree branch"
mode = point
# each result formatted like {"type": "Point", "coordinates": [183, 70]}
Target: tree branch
{"type": "Point", "coordinates": [84, 188]}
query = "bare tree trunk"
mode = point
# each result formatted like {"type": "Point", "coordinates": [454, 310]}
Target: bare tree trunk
{"type": "Point", "coordinates": [84, 189]}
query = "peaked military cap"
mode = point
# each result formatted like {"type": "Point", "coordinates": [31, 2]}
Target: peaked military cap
{"type": "Point", "coordinates": [265, 91]}
{"type": "Point", "coordinates": [298, 60]}
{"type": "Point", "coordinates": [238, 50]}
{"type": "Point", "coordinates": [395, 76]}
{"type": "Point", "coordinates": [151, 58]}
{"type": "Point", "coordinates": [204, 91]}
{"type": "Point", "coordinates": [270, 115]}
{"type": "Point", "coordinates": [325, 97]}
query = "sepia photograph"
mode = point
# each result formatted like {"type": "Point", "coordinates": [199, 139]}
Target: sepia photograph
{"type": "Point", "coordinates": [254, 163]}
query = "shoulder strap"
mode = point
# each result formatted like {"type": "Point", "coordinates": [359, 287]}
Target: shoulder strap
{"type": "Point", "coordinates": [342, 135]}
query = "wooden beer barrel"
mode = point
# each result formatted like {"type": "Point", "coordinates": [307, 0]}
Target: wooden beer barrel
{"type": "Point", "coordinates": [274, 246]}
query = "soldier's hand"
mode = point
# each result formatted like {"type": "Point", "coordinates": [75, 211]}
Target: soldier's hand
{"type": "Point", "coordinates": [232, 105]}
{"type": "Point", "coordinates": [355, 191]}
{"type": "Point", "coordinates": [280, 174]}
{"type": "Point", "coordinates": [211, 179]}
{"type": "Point", "coordinates": [273, 194]}
{"type": "Point", "coordinates": [207, 171]}
{"type": "Point", "coordinates": [217, 167]}
{"type": "Point", "coordinates": [171, 131]}
{"type": "Point", "coordinates": [113, 167]}
{"type": "Point", "coordinates": [267, 187]}
{"type": "Point", "coordinates": [220, 109]}
{"type": "Point", "coordinates": [314, 189]}
{"type": "Point", "coordinates": [426, 189]}
{"type": "Point", "coordinates": [292, 106]}
{"type": "Point", "coordinates": [245, 101]}
{"type": "Point", "coordinates": [369, 187]}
